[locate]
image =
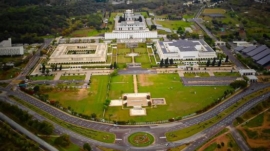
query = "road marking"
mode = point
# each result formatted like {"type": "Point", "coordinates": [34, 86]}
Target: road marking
{"type": "Point", "coordinates": [118, 139]}
{"type": "Point", "coordinates": [163, 137]}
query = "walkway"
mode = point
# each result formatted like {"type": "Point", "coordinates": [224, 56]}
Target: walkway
{"type": "Point", "coordinates": [238, 138]}
{"type": "Point", "coordinates": [135, 83]}
{"type": "Point", "coordinates": [57, 76]}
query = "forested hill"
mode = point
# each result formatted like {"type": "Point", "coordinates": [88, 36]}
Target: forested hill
{"type": "Point", "coordinates": [24, 24]}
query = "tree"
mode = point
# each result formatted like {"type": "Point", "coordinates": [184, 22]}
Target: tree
{"type": "Point", "coordinates": [166, 62]}
{"type": "Point", "coordinates": [63, 140]}
{"type": "Point", "coordinates": [161, 63]}
{"type": "Point", "coordinates": [219, 63]}
{"type": "Point", "coordinates": [43, 68]}
{"type": "Point", "coordinates": [60, 68]}
{"type": "Point", "coordinates": [214, 62]}
{"type": "Point", "coordinates": [111, 66]}
{"type": "Point", "coordinates": [47, 71]}
{"type": "Point", "coordinates": [153, 27]}
{"type": "Point", "coordinates": [208, 63]}
{"type": "Point", "coordinates": [227, 59]}
{"type": "Point", "coordinates": [36, 89]}
{"type": "Point", "coordinates": [114, 65]}
{"type": "Point", "coordinates": [94, 115]}
{"type": "Point", "coordinates": [238, 84]}
{"type": "Point", "coordinates": [171, 61]}
{"type": "Point", "coordinates": [55, 67]}
{"type": "Point", "coordinates": [87, 147]}
{"type": "Point", "coordinates": [140, 19]}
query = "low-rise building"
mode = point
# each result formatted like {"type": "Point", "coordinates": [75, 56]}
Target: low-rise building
{"type": "Point", "coordinates": [6, 48]}
{"type": "Point", "coordinates": [185, 50]}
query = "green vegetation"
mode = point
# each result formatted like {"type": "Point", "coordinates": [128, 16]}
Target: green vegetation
{"type": "Point", "coordinates": [174, 24]}
{"type": "Point", "coordinates": [12, 140]}
{"type": "Point", "coordinates": [211, 147]}
{"type": "Point", "coordinates": [140, 139]}
{"type": "Point", "coordinates": [93, 134]}
{"type": "Point", "coordinates": [73, 77]}
{"type": "Point", "coordinates": [192, 75]}
{"type": "Point", "coordinates": [41, 77]}
{"type": "Point", "coordinates": [225, 74]}
{"type": "Point", "coordinates": [120, 84]}
{"type": "Point", "coordinates": [86, 32]}
{"type": "Point", "coordinates": [70, 147]}
{"type": "Point", "coordinates": [189, 131]}
{"type": "Point", "coordinates": [255, 122]}
{"type": "Point", "coordinates": [214, 11]}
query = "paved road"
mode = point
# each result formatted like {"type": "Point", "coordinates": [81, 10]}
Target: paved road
{"type": "Point", "coordinates": [137, 70]}
{"type": "Point", "coordinates": [232, 57]}
{"type": "Point", "coordinates": [158, 131]}
{"type": "Point", "coordinates": [27, 133]}
{"type": "Point", "coordinates": [239, 139]}
{"type": "Point", "coordinates": [202, 81]}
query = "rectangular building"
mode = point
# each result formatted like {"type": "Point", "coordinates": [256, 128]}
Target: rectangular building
{"type": "Point", "coordinates": [6, 48]}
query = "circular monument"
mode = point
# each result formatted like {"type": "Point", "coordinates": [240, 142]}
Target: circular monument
{"type": "Point", "coordinates": [141, 139]}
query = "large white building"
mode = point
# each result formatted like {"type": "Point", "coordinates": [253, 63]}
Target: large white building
{"type": "Point", "coordinates": [6, 48]}
{"type": "Point", "coordinates": [130, 25]}
{"type": "Point", "coordinates": [79, 53]}
{"type": "Point", "coordinates": [185, 50]}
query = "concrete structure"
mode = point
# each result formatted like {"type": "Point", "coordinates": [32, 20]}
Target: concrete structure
{"type": "Point", "coordinates": [247, 72]}
{"type": "Point", "coordinates": [220, 43]}
{"type": "Point", "coordinates": [242, 43]}
{"type": "Point", "coordinates": [130, 25]}
{"type": "Point", "coordinates": [6, 48]}
{"type": "Point", "coordinates": [79, 53]}
{"type": "Point", "coordinates": [252, 78]}
{"type": "Point", "coordinates": [185, 50]}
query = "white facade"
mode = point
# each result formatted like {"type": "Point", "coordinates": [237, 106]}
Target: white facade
{"type": "Point", "coordinates": [242, 43]}
{"type": "Point", "coordinates": [85, 53]}
{"type": "Point", "coordinates": [185, 50]}
{"type": "Point", "coordinates": [131, 27]}
{"type": "Point", "coordinates": [247, 72]}
{"type": "Point", "coordinates": [131, 22]}
{"type": "Point", "coordinates": [7, 49]}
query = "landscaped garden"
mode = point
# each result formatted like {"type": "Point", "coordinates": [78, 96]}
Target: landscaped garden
{"type": "Point", "coordinates": [141, 139]}
{"type": "Point", "coordinates": [196, 74]}
{"type": "Point", "coordinates": [72, 77]}
{"type": "Point", "coordinates": [225, 74]}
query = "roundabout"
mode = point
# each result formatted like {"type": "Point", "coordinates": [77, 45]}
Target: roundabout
{"type": "Point", "coordinates": [141, 139]}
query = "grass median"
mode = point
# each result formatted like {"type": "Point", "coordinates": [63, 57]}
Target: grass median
{"type": "Point", "coordinates": [90, 133]}
{"type": "Point", "coordinates": [189, 131]}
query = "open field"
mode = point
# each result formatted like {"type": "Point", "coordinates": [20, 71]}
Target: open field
{"type": "Point", "coordinates": [119, 85]}
{"type": "Point", "coordinates": [123, 51]}
{"type": "Point", "coordinates": [214, 11]}
{"type": "Point", "coordinates": [73, 77]}
{"type": "Point", "coordinates": [85, 32]}
{"type": "Point", "coordinates": [142, 59]}
{"type": "Point", "coordinates": [140, 50]}
{"type": "Point", "coordinates": [41, 77]}
{"type": "Point", "coordinates": [83, 100]}
{"type": "Point", "coordinates": [123, 59]}
{"type": "Point", "coordinates": [174, 25]}
{"type": "Point", "coordinates": [225, 141]}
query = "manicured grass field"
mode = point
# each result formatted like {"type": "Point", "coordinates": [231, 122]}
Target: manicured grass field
{"type": "Point", "coordinates": [143, 58]}
{"type": "Point", "coordinates": [123, 50]}
{"type": "Point", "coordinates": [192, 75]}
{"type": "Point", "coordinates": [73, 77]}
{"type": "Point", "coordinates": [226, 74]}
{"type": "Point", "coordinates": [42, 78]}
{"type": "Point", "coordinates": [85, 101]}
{"type": "Point", "coordinates": [123, 59]}
{"type": "Point", "coordinates": [140, 139]}
{"type": "Point", "coordinates": [140, 50]}
{"type": "Point", "coordinates": [214, 11]}
{"type": "Point", "coordinates": [120, 84]}
{"type": "Point", "coordinates": [174, 25]}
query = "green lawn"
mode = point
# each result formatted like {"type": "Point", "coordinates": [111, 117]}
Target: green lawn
{"type": "Point", "coordinates": [42, 78]}
{"type": "Point", "coordinates": [174, 24]}
{"type": "Point", "coordinates": [85, 101]}
{"type": "Point", "coordinates": [85, 32]}
{"type": "Point", "coordinates": [73, 77]}
{"type": "Point", "coordinates": [123, 59]}
{"type": "Point", "coordinates": [226, 74]}
{"type": "Point", "coordinates": [120, 84]}
{"type": "Point", "coordinates": [140, 50]}
{"type": "Point", "coordinates": [214, 11]}
{"type": "Point", "coordinates": [180, 100]}
{"type": "Point", "coordinates": [123, 50]}
{"type": "Point", "coordinates": [192, 75]}
{"type": "Point", "coordinates": [142, 59]}
{"type": "Point", "coordinates": [136, 139]}
{"type": "Point", "coordinates": [255, 122]}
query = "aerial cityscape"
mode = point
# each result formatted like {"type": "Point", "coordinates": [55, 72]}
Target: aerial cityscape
{"type": "Point", "coordinates": [135, 75]}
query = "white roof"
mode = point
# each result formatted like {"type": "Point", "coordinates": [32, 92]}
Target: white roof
{"type": "Point", "coordinates": [246, 70]}
{"type": "Point", "coordinates": [252, 77]}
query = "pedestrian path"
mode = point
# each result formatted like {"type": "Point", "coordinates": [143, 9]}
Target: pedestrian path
{"type": "Point", "coordinates": [88, 76]}
{"type": "Point", "coordinates": [135, 83]}
{"type": "Point", "coordinates": [57, 76]}
{"type": "Point", "coordinates": [181, 73]}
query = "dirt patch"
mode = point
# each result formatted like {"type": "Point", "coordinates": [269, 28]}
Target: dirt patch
{"type": "Point", "coordinates": [82, 93]}
{"type": "Point", "coordinates": [263, 78]}
{"type": "Point", "coordinates": [143, 80]}
{"type": "Point", "coordinates": [223, 138]}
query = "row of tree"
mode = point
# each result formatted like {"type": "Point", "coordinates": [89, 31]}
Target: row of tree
{"type": "Point", "coordinates": [43, 127]}
{"type": "Point", "coordinates": [166, 62]}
